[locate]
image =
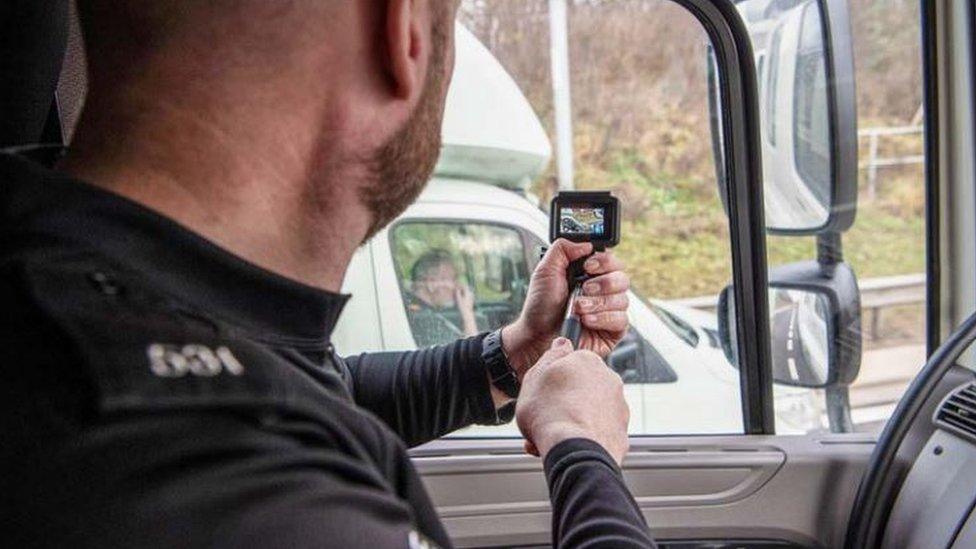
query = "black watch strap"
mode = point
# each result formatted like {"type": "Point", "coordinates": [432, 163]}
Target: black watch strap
{"type": "Point", "coordinates": [500, 372]}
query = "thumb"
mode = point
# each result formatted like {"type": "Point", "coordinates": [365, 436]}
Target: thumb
{"type": "Point", "coordinates": [560, 347]}
{"type": "Point", "coordinates": [563, 252]}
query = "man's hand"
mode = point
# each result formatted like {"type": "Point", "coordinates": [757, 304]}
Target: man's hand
{"type": "Point", "coordinates": [572, 394]}
{"type": "Point", "coordinates": [464, 301]}
{"type": "Point", "coordinates": [602, 307]}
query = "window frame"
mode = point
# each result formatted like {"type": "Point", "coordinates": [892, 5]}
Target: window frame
{"type": "Point", "coordinates": [936, 318]}
{"type": "Point", "coordinates": [739, 108]}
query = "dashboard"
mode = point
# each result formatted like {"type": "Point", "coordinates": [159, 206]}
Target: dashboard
{"type": "Point", "coordinates": [935, 505]}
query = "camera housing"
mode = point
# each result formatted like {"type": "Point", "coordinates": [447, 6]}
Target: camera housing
{"type": "Point", "coordinates": [585, 216]}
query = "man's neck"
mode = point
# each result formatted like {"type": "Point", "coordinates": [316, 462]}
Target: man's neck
{"type": "Point", "coordinates": [284, 214]}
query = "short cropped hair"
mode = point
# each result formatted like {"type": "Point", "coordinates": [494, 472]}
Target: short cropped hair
{"type": "Point", "coordinates": [429, 261]}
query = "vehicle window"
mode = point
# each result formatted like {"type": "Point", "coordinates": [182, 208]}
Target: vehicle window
{"type": "Point", "coordinates": [885, 247]}
{"type": "Point", "coordinates": [639, 78]}
{"type": "Point", "coordinates": [458, 279]}
{"type": "Point", "coordinates": [638, 75]}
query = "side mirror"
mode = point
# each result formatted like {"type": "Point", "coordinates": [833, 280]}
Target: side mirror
{"type": "Point", "coordinates": [637, 361]}
{"type": "Point", "coordinates": [815, 325]}
{"type": "Point", "coordinates": [805, 74]}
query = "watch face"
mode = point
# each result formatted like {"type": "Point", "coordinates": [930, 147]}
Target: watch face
{"type": "Point", "coordinates": [500, 372]}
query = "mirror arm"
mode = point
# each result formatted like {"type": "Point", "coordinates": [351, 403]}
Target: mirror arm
{"type": "Point", "coordinates": [839, 408]}
{"type": "Point", "coordinates": [830, 252]}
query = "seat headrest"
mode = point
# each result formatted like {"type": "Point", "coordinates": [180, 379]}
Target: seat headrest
{"type": "Point", "coordinates": [33, 35]}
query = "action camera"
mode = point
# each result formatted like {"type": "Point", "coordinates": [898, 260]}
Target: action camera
{"type": "Point", "coordinates": [585, 216]}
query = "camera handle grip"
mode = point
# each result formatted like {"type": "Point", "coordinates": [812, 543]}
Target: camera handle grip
{"type": "Point", "coordinates": [572, 327]}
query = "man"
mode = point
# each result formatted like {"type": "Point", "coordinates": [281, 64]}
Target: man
{"type": "Point", "coordinates": [439, 307]}
{"type": "Point", "coordinates": [169, 294]}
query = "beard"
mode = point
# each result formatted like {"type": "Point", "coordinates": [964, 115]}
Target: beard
{"type": "Point", "coordinates": [401, 168]}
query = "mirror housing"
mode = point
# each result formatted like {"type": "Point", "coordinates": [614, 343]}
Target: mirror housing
{"type": "Point", "coordinates": [806, 192]}
{"type": "Point", "coordinates": [797, 345]}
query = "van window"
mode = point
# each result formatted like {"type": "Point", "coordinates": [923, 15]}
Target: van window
{"type": "Point", "coordinates": [459, 279]}
{"type": "Point", "coordinates": [438, 262]}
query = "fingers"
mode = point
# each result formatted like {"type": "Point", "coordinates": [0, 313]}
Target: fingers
{"type": "Point", "coordinates": [601, 263]}
{"type": "Point", "coordinates": [610, 283]}
{"type": "Point", "coordinates": [562, 252]}
{"type": "Point", "coordinates": [606, 312]}
{"type": "Point", "coordinates": [560, 347]}
{"type": "Point", "coordinates": [600, 303]}
{"type": "Point", "coordinates": [608, 321]}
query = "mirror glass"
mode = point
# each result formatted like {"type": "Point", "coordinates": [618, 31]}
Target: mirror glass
{"type": "Point", "coordinates": [800, 337]}
{"type": "Point", "coordinates": [637, 361]}
{"type": "Point", "coordinates": [791, 68]}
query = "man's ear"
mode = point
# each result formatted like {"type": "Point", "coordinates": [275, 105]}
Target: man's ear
{"type": "Point", "coordinates": [407, 44]}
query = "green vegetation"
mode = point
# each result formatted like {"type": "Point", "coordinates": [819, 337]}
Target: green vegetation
{"type": "Point", "coordinates": [640, 116]}
{"type": "Point", "coordinates": [676, 240]}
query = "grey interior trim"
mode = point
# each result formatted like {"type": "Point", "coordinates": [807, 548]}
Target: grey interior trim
{"type": "Point", "coordinates": [957, 172]}
{"type": "Point", "coordinates": [73, 82]}
{"type": "Point", "coordinates": [702, 476]}
{"type": "Point", "coordinates": [937, 496]}
{"type": "Point", "coordinates": [795, 489]}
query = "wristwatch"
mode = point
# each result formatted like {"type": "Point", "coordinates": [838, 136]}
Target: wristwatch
{"type": "Point", "coordinates": [501, 373]}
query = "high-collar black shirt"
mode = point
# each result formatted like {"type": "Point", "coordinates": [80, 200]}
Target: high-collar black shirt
{"type": "Point", "coordinates": [159, 391]}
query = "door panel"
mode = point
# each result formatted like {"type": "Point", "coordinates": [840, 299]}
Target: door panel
{"type": "Point", "coordinates": [796, 489]}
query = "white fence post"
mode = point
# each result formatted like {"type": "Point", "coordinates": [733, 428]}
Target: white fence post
{"type": "Point", "coordinates": [872, 164]}
{"type": "Point", "coordinates": [559, 58]}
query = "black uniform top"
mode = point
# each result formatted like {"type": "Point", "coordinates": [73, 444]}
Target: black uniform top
{"type": "Point", "coordinates": [158, 391]}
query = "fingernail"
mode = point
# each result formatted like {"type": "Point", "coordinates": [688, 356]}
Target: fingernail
{"type": "Point", "coordinates": [559, 342]}
{"type": "Point", "coordinates": [591, 264]}
{"type": "Point", "coordinates": [591, 288]}
{"type": "Point", "coordinates": [585, 304]}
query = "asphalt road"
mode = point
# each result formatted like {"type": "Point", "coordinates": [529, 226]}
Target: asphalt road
{"type": "Point", "coordinates": [885, 373]}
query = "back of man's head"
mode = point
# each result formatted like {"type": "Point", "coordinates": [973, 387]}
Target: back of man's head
{"type": "Point", "coordinates": [314, 93]}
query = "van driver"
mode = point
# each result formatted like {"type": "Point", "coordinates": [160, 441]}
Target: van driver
{"type": "Point", "coordinates": [439, 306]}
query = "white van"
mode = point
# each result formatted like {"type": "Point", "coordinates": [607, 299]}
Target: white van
{"type": "Point", "coordinates": [796, 145]}
{"type": "Point", "coordinates": [475, 210]}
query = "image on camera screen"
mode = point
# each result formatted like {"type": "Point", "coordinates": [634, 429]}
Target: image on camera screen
{"type": "Point", "coordinates": [581, 221]}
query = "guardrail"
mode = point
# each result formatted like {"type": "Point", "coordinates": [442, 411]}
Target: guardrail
{"type": "Point", "coordinates": [877, 294]}
{"type": "Point", "coordinates": [873, 162]}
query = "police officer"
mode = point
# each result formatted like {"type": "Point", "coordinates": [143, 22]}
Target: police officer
{"type": "Point", "coordinates": [169, 291]}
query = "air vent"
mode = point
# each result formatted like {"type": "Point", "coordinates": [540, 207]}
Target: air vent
{"type": "Point", "coordinates": [958, 411]}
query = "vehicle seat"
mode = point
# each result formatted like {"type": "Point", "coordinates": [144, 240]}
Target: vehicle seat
{"type": "Point", "coordinates": [42, 67]}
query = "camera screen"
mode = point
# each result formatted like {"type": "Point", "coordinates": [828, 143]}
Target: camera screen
{"type": "Point", "coordinates": [581, 221]}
